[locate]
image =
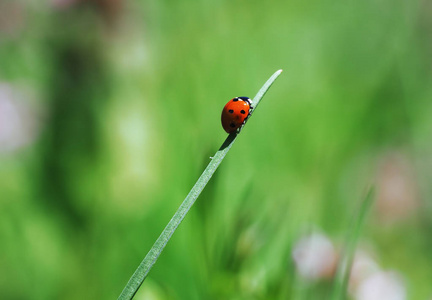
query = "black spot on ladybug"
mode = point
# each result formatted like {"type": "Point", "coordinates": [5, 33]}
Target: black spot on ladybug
{"type": "Point", "coordinates": [231, 111]}
{"type": "Point", "coordinates": [242, 112]}
{"type": "Point", "coordinates": [235, 99]}
{"type": "Point", "coordinates": [232, 125]}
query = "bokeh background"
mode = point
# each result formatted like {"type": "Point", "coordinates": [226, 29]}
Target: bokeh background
{"type": "Point", "coordinates": [110, 110]}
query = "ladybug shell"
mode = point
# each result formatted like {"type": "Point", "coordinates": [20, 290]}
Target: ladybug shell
{"type": "Point", "coordinates": [235, 113]}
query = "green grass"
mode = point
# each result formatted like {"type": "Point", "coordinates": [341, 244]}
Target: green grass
{"type": "Point", "coordinates": [152, 256]}
{"type": "Point", "coordinates": [342, 276]}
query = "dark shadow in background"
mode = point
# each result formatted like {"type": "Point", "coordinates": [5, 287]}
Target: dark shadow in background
{"type": "Point", "coordinates": [79, 91]}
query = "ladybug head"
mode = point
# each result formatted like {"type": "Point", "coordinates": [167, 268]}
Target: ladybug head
{"type": "Point", "coordinates": [245, 99]}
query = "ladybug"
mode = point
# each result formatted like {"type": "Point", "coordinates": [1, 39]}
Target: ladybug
{"type": "Point", "coordinates": [235, 113]}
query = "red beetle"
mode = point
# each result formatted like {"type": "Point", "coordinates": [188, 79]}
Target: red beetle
{"type": "Point", "coordinates": [235, 113]}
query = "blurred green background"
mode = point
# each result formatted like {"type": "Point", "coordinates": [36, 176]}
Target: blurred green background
{"type": "Point", "coordinates": [110, 110]}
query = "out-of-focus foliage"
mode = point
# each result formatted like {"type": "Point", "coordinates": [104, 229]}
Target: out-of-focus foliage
{"type": "Point", "coordinates": [109, 111]}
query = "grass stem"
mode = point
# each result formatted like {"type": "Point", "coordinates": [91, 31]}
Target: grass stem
{"type": "Point", "coordinates": [144, 268]}
{"type": "Point", "coordinates": [343, 271]}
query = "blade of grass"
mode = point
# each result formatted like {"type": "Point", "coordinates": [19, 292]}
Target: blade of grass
{"type": "Point", "coordinates": [344, 268]}
{"type": "Point", "coordinates": [143, 269]}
